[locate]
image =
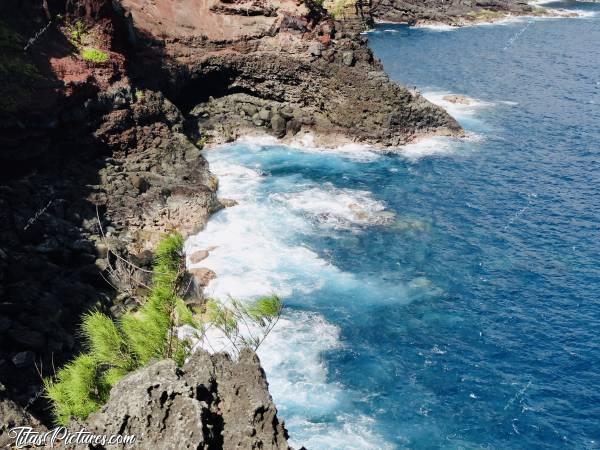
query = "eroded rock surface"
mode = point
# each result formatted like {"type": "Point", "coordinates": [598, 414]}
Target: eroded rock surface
{"type": "Point", "coordinates": [212, 403]}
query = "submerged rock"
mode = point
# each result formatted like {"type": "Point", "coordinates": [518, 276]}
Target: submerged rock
{"type": "Point", "coordinates": [457, 99]}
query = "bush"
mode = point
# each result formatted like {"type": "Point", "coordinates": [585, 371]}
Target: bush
{"type": "Point", "coordinates": [75, 392]}
{"type": "Point", "coordinates": [94, 55]}
{"type": "Point", "coordinates": [116, 348]}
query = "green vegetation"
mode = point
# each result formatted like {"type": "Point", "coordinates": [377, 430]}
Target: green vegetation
{"type": "Point", "coordinates": [94, 55]}
{"type": "Point", "coordinates": [116, 348]}
{"type": "Point", "coordinates": [337, 7]}
{"type": "Point", "coordinates": [244, 325]}
{"type": "Point", "coordinates": [139, 95]}
{"type": "Point", "coordinates": [76, 32]}
{"type": "Point", "coordinates": [85, 39]}
{"type": "Point", "coordinates": [200, 143]}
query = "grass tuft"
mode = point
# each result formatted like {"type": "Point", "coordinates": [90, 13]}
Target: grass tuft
{"type": "Point", "coordinates": [94, 55]}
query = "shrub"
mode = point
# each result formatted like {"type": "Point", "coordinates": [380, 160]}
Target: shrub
{"type": "Point", "coordinates": [94, 55]}
{"type": "Point", "coordinates": [77, 31]}
{"type": "Point", "coordinates": [244, 325]}
{"type": "Point", "coordinates": [116, 348]}
{"type": "Point", "coordinates": [75, 393]}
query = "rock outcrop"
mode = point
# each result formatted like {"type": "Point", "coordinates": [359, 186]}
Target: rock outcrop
{"type": "Point", "coordinates": [91, 176]}
{"type": "Point", "coordinates": [455, 13]}
{"type": "Point", "coordinates": [211, 403]}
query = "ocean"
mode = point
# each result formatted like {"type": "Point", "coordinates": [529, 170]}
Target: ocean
{"type": "Point", "coordinates": [445, 295]}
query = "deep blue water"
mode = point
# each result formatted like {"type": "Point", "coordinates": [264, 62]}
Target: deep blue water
{"type": "Point", "coordinates": [447, 296]}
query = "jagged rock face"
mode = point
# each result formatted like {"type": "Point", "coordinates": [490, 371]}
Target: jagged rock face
{"type": "Point", "coordinates": [156, 181]}
{"type": "Point", "coordinates": [211, 19]}
{"type": "Point", "coordinates": [121, 165]}
{"type": "Point", "coordinates": [456, 12]}
{"type": "Point", "coordinates": [212, 403]}
{"type": "Point", "coordinates": [365, 107]}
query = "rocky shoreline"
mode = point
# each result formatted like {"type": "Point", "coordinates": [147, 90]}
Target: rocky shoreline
{"type": "Point", "coordinates": [434, 13]}
{"type": "Point", "coordinates": [101, 157]}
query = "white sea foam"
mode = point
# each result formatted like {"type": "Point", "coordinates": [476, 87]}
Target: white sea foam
{"type": "Point", "coordinates": [292, 356]}
{"type": "Point", "coordinates": [235, 181]}
{"type": "Point", "coordinates": [436, 26]}
{"type": "Point", "coordinates": [253, 252]}
{"type": "Point", "coordinates": [335, 207]}
{"type": "Point", "coordinates": [348, 433]}
{"type": "Point", "coordinates": [438, 145]}
{"type": "Point", "coordinates": [552, 14]}
{"type": "Point", "coordinates": [298, 380]}
{"type": "Point", "coordinates": [457, 110]}
{"type": "Point", "coordinates": [357, 152]}
{"type": "Point", "coordinates": [257, 141]}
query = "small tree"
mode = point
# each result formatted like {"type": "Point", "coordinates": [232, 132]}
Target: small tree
{"type": "Point", "coordinates": [244, 325]}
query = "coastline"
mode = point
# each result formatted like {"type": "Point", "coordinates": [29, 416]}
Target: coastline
{"type": "Point", "coordinates": [121, 160]}
{"type": "Point", "coordinates": [148, 175]}
{"type": "Point", "coordinates": [485, 17]}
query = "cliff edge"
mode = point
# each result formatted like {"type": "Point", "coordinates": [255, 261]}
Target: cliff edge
{"type": "Point", "coordinates": [104, 110]}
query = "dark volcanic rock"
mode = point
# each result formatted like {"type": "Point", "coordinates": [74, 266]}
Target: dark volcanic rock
{"type": "Point", "coordinates": [12, 415]}
{"type": "Point", "coordinates": [212, 403]}
{"type": "Point", "coordinates": [458, 12]}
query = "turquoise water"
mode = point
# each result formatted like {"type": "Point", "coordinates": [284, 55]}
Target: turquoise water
{"type": "Point", "coordinates": [447, 296]}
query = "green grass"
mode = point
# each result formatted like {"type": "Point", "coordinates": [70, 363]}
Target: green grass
{"type": "Point", "coordinates": [94, 55]}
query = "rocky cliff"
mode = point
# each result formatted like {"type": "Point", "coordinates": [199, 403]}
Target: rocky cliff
{"type": "Point", "coordinates": [288, 56]}
{"type": "Point", "coordinates": [104, 109]}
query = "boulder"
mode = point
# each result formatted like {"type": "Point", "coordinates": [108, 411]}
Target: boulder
{"type": "Point", "coordinates": [293, 126]}
{"type": "Point", "coordinates": [315, 49]}
{"type": "Point", "coordinates": [198, 256]}
{"type": "Point", "coordinates": [348, 58]}
{"type": "Point", "coordinates": [12, 415]}
{"type": "Point", "coordinates": [264, 114]}
{"type": "Point", "coordinates": [457, 99]}
{"type": "Point", "coordinates": [203, 276]}
{"type": "Point", "coordinates": [278, 125]}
